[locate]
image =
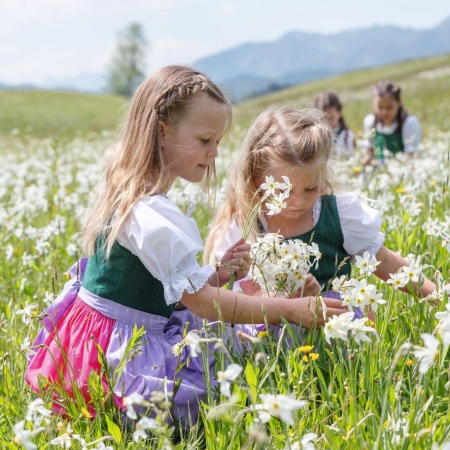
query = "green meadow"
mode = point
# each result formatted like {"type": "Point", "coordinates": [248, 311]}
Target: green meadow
{"type": "Point", "coordinates": [379, 394]}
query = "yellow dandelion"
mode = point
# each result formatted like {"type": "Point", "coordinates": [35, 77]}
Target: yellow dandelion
{"type": "Point", "coordinates": [409, 362]}
{"type": "Point", "coordinates": [263, 334]}
{"type": "Point", "coordinates": [305, 358]}
{"type": "Point", "coordinates": [314, 356]}
{"type": "Point", "coordinates": [306, 349]}
{"type": "Point", "coordinates": [357, 169]}
{"type": "Point", "coordinates": [400, 190]}
{"type": "Point", "coordinates": [432, 183]}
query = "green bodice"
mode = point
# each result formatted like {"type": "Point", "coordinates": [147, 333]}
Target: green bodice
{"type": "Point", "coordinates": [392, 142]}
{"type": "Point", "coordinates": [327, 234]}
{"type": "Point", "coordinates": [125, 280]}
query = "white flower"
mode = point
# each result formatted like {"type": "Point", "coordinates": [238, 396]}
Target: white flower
{"type": "Point", "coordinates": [71, 249]}
{"type": "Point", "coordinates": [427, 355]}
{"type": "Point", "coordinates": [276, 204]}
{"type": "Point", "coordinates": [305, 442]}
{"type": "Point", "coordinates": [278, 405]}
{"type": "Point", "coordinates": [9, 252]}
{"type": "Point", "coordinates": [366, 264]}
{"type": "Point", "coordinates": [48, 297]}
{"type": "Point", "coordinates": [398, 280]}
{"type": "Point", "coordinates": [22, 436]}
{"type": "Point", "coordinates": [102, 446]}
{"type": "Point", "coordinates": [338, 327]}
{"type": "Point", "coordinates": [65, 440]}
{"type": "Point", "coordinates": [27, 259]}
{"type": "Point", "coordinates": [224, 378]}
{"type": "Point", "coordinates": [36, 411]}
{"type": "Point", "coordinates": [129, 402]}
{"type": "Point", "coordinates": [144, 424]}
{"type": "Point", "coordinates": [269, 186]}
{"type": "Point", "coordinates": [359, 328]}
{"type": "Point", "coordinates": [193, 340]}
{"type": "Point", "coordinates": [375, 300]}
{"type": "Point", "coordinates": [26, 312]}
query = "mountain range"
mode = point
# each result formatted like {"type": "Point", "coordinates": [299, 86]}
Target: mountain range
{"type": "Point", "coordinates": [255, 68]}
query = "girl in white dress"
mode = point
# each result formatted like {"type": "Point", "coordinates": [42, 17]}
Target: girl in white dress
{"type": "Point", "coordinates": [390, 129]}
{"type": "Point", "coordinates": [299, 144]}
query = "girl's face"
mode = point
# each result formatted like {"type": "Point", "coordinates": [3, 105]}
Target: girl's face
{"type": "Point", "coordinates": [190, 147]}
{"type": "Point", "coordinates": [335, 116]}
{"type": "Point", "coordinates": [386, 109]}
{"type": "Point", "coordinates": [306, 188]}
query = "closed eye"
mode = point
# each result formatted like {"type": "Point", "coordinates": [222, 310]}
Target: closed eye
{"type": "Point", "coordinates": [311, 189]}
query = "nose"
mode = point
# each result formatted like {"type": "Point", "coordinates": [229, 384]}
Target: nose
{"type": "Point", "coordinates": [213, 151]}
{"type": "Point", "coordinates": [297, 199]}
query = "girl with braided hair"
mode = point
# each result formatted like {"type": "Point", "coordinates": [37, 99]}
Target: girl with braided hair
{"type": "Point", "coordinates": [390, 129]}
{"type": "Point", "coordinates": [142, 268]}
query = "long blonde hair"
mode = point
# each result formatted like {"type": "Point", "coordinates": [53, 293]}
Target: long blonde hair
{"type": "Point", "coordinates": [135, 165]}
{"type": "Point", "coordinates": [301, 140]}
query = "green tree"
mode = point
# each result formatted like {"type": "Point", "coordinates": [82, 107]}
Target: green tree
{"type": "Point", "coordinates": [127, 66]}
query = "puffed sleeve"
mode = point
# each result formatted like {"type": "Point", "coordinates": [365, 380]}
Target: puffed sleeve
{"type": "Point", "coordinates": [411, 134]}
{"type": "Point", "coordinates": [225, 241]}
{"type": "Point", "coordinates": [368, 124]}
{"type": "Point", "coordinates": [167, 242]}
{"type": "Point", "coordinates": [361, 225]}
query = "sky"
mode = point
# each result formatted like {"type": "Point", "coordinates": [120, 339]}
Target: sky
{"type": "Point", "coordinates": [42, 39]}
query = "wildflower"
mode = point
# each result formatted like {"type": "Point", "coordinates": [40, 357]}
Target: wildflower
{"type": "Point", "coordinates": [9, 252]}
{"type": "Point", "coordinates": [397, 280]}
{"type": "Point", "coordinates": [366, 264]}
{"type": "Point", "coordinates": [130, 401]}
{"type": "Point", "coordinates": [314, 356]}
{"type": "Point", "coordinates": [36, 411]}
{"type": "Point", "coordinates": [26, 312]}
{"type": "Point", "coordinates": [306, 349]}
{"type": "Point", "coordinates": [409, 362]}
{"type": "Point", "coordinates": [193, 340]}
{"type": "Point", "coordinates": [359, 328]}
{"type": "Point", "coordinates": [278, 405]}
{"type": "Point", "coordinates": [427, 355]}
{"type": "Point", "coordinates": [276, 204]}
{"type": "Point", "coordinates": [269, 186]}
{"type": "Point", "coordinates": [71, 249]}
{"type": "Point", "coordinates": [375, 300]}
{"type": "Point", "coordinates": [224, 378]}
{"type": "Point", "coordinates": [22, 436]}
{"type": "Point", "coordinates": [262, 334]}
{"type": "Point", "coordinates": [102, 446]}
{"type": "Point", "coordinates": [65, 440]}
{"type": "Point", "coordinates": [357, 169]}
{"type": "Point", "coordinates": [305, 442]}
{"type": "Point", "coordinates": [338, 327]}
{"type": "Point", "coordinates": [27, 259]}
{"type": "Point", "coordinates": [144, 424]}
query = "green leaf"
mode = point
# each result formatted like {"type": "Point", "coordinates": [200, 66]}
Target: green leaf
{"type": "Point", "coordinates": [250, 376]}
{"type": "Point", "coordinates": [114, 430]}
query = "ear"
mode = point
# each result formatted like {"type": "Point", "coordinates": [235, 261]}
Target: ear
{"type": "Point", "coordinates": [162, 128]}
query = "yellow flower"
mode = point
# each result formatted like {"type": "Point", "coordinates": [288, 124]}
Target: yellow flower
{"type": "Point", "coordinates": [357, 169]}
{"type": "Point", "coordinates": [306, 349]}
{"type": "Point", "coordinates": [400, 190]}
{"type": "Point", "coordinates": [370, 323]}
{"type": "Point", "coordinates": [263, 334]}
{"type": "Point", "coordinates": [410, 362]}
{"type": "Point", "coordinates": [314, 356]}
{"type": "Point", "coordinates": [305, 358]}
{"type": "Point", "coordinates": [85, 413]}
{"type": "Point", "coordinates": [432, 183]}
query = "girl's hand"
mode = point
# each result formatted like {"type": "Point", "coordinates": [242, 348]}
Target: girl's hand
{"type": "Point", "coordinates": [311, 287]}
{"type": "Point", "coordinates": [236, 259]}
{"type": "Point", "coordinates": [309, 312]}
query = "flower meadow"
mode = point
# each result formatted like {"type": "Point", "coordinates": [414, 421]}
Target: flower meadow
{"type": "Point", "coordinates": [380, 381]}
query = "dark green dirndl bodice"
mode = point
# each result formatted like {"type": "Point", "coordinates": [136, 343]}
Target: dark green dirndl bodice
{"type": "Point", "coordinates": [125, 280]}
{"type": "Point", "coordinates": [327, 234]}
{"type": "Point", "coordinates": [392, 142]}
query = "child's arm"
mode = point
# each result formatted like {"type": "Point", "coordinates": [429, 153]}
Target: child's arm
{"type": "Point", "coordinates": [241, 308]}
{"type": "Point", "coordinates": [390, 262]}
{"type": "Point", "coordinates": [368, 157]}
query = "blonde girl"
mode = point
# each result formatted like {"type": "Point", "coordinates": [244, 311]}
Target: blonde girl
{"type": "Point", "coordinates": [390, 128]}
{"type": "Point", "coordinates": [142, 268]}
{"type": "Point", "coordinates": [299, 143]}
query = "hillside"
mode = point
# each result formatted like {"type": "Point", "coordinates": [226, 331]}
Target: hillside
{"type": "Point", "coordinates": [299, 57]}
{"type": "Point", "coordinates": [425, 86]}
{"type": "Point", "coordinates": [44, 113]}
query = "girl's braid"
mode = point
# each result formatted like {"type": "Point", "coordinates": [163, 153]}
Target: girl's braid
{"type": "Point", "coordinates": [178, 93]}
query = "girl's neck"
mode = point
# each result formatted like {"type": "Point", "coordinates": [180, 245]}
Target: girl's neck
{"type": "Point", "coordinates": [288, 227]}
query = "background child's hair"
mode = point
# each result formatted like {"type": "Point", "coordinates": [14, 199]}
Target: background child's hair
{"type": "Point", "coordinates": [387, 88]}
{"type": "Point", "coordinates": [328, 100]}
{"type": "Point", "coordinates": [135, 165]}
{"type": "Point", "coordinates": [300, 140]}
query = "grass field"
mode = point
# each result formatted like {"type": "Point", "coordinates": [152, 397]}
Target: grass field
{"type": "Point", "coordinates": [368, 395]}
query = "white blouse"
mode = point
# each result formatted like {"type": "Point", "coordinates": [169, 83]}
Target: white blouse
{"type": "Point", "coordinates": [360, 225]}
{"type": "Point", "coordinates": [411, 132]}
{"type": "Point", "coordinates": [167, 242]}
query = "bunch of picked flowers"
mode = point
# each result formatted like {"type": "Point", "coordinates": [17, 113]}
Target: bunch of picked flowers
{"type": "Point", "coordinates": [281, 266]}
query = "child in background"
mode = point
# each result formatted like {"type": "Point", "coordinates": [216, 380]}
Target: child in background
{"type": "Point", "coordinates": [142, 268]}
{"type": "Point", "coordinates": [329, 103]}
{"type": "Point", "coordinates": [390, 127]}
{"type": "Point", "coordinates": [299, 144]}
